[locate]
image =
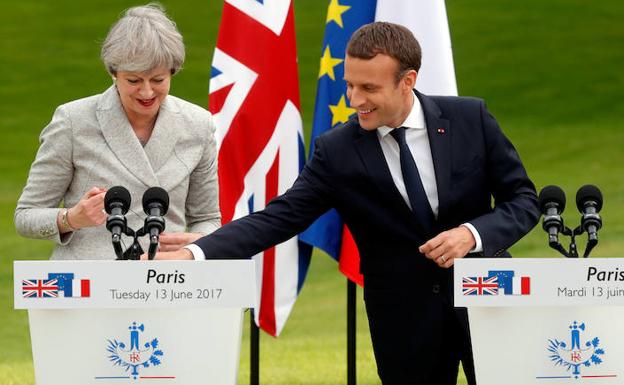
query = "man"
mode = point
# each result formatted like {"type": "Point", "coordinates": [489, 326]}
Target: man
{"type": "Point", "coordinates": [413, 177]}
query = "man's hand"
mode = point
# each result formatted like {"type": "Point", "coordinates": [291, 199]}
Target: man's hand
{"type": "Point", "coordinates": [175, 241]}
{"type": "Point", "coordinates": [448, 245]}
{"type": "Point", "coordinates": [181, 254]}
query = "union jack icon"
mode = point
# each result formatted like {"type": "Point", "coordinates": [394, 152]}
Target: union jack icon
{"type": "Point", "coordinates": [480, 285]}
{"type": "Point", "coordinates": [39, 288]}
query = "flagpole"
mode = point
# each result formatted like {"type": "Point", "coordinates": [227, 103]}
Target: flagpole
{"type": "Point", "coordinates": [254, 351]}
{"type": "Point", "coordinates": [351, 328]}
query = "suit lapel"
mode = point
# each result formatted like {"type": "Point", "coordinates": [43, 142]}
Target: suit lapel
{"type": "Point", "coordinates": [121, 139]}
{"type": "Point", "coordinates": [371, 154]}
{"type": "Point", "coordinates": [162, 142]}
{"type": "Point", "coordinates": [439, 133]}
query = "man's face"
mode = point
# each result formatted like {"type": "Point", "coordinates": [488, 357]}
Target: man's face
{"type": "Point", "coordinates": [373, 91]}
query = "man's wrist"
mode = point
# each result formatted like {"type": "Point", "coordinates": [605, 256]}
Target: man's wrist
{"type": "Point", "coordinates": [478, 245]}
{"type": "Point", "coordinates": [194, 252]}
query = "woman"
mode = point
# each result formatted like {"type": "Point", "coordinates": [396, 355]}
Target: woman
{"type": "Point", "coordinates": [134, 135]}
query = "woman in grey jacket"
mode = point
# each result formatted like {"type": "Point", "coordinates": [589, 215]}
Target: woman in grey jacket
{"type": "Point", "coordinates": [135, 135]}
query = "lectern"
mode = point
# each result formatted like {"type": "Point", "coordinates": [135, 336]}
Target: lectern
{"type": "Point", "coordinates": [132, 322]}
{"type": "Point", "coordinates": [544, 321]}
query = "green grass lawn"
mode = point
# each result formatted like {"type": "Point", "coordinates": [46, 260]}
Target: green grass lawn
{"type": "Point", "coordinates": [551, 72]}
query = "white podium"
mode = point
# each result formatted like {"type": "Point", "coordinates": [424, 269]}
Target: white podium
{"type": "Point", "coordinates": [132, 322]}
{"type": "Point", "coordinates": [544, 321]}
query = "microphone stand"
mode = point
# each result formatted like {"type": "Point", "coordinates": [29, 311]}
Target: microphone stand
{"type": "Point", "coordinates": [590, 245]}
{"type": "Point", "coordinates": [117, 246]}
{"type": "Point", "coordinates": [572, 252]}
{"type": "Point", "coordinates": [155, 205]}
{"type": "Point", "coordinates": [153, 247]}
{"type": "Point", "coordinates": [135, 250]}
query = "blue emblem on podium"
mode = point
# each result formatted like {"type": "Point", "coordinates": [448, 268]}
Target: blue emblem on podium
{"type": "Point", "coordinates": [578, 352]}
{"type": "Point", "coordinates": [135, 355]}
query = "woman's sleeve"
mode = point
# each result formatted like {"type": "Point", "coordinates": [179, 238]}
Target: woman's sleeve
{"type": "Point", "coordinates": [48, 180]}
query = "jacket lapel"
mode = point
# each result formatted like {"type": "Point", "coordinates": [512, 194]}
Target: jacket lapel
{"type": "Point", "coordinates": [121, 139]}
{"type": "Point", "coordinates": [369, 149]}
{"type": "Point", "coordinates": [164, 137]}
{"type": "Point", "coordinates": [439, 133]}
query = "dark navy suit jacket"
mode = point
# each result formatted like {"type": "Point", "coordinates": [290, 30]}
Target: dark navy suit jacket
{"type": "Point", "coordinates": [480, 179]}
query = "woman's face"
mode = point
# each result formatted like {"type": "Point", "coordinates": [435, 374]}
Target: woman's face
{"type": "Point", "coordinates": [141, 93]}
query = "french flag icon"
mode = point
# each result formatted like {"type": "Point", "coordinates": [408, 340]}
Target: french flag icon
{"type": "Point", "coordinates": [81, 288]}
{"type": "Point", "coordinates": [521, 285]}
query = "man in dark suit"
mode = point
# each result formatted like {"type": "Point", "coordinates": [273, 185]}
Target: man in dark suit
{"type": "Point", "coordinates": [413, 177]}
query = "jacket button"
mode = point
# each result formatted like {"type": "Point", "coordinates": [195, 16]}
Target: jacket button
{"type": "Point", "coordinates": [435, 289]}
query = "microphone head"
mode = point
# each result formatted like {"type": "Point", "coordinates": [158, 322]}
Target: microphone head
{"type": "Point", "coordinates": [552, 194]}
{"type": "Point", "coordinates": [117, 194]}
{"type": "Point", "coordinates": [155, 195]}
{"type": "Point", "coordinates": [587, 193]}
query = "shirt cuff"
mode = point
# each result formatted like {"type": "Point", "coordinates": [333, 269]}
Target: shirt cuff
{"type": "Point", "coordinates": [198, 253]}
{"type": "Point", "coordinates": [478, 244]}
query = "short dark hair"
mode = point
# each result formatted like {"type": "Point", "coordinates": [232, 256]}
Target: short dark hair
{"type": "Point", "coordinates": [389, 39]}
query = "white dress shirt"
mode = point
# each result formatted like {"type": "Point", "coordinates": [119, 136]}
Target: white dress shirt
{"type": "Point", "coordinates": [418, 143]}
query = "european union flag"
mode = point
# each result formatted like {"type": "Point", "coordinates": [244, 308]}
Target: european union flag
{"type": "Point", "coordinates": [332, 107]}
{"type": "Point", "coordinates": [64, 282]}
{"type": "Point", "coordinates": [505, 280]}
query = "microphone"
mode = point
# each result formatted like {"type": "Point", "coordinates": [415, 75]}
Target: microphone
{"type": "Point", "coordinates": [116, 203]}
{"type": "Point", "coordinates": [552, 202]}
{"type": "Point", "coordinates": [589, 203]}
{"type": "Point", "coordinates": [155, 205]}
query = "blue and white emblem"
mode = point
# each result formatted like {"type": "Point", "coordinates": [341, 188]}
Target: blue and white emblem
{"type": "Point", "coordinates": [579, 352]}
{"type": "Point", "coordinates": [135, 355]}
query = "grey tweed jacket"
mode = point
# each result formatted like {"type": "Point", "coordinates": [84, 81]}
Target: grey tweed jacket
{"type": "Point", "coordinates": [90, 142]}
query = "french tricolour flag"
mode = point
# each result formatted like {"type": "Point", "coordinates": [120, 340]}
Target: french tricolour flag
{"type": "Point", "coordinates": [521, 285]}
{"type": "Point", "coordinates": [81, 288]}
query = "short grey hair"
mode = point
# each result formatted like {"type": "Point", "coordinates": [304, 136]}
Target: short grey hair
{"type": "Point", "coordinates": [144, 38]}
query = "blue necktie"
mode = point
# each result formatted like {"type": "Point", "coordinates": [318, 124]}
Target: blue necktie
{"type": "Point", "coordinates": [413, 184]}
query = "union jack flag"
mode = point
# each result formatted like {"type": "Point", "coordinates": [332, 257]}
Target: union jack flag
{"type": "Point", "coordinates": [254, 96]}
{"type": "Point", "coordinates": [480, 285]}
{"type": "Point", "coordinates": [39, 288]}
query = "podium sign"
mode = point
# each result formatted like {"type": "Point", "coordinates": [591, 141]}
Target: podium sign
{"type": "Point", "coordinates": [544, 321]}
{"type": "Point", "coordinates": [127, 322]}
